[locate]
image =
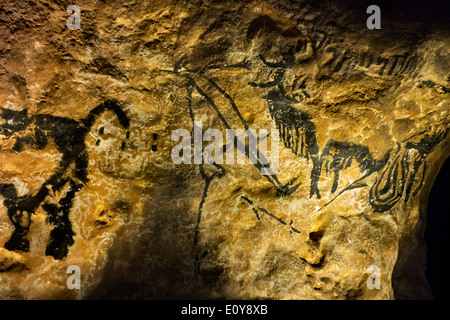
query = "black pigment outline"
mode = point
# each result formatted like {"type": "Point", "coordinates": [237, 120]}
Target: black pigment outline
{"type": "Point", "coordinates": [282, 189]}
{"type": "Point", "coordinates": [298, 133]}
{"type": "Point", "coordinates": [69, 136]}
{"type": "Point", "coordinates": [265, 211]}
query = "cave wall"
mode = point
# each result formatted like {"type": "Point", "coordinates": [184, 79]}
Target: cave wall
{"type": "Point", "coordinates": [360, 118]}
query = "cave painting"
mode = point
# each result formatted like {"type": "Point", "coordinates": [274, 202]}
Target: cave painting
{"type": "Point", "coordinates": [68, 135]}
{"type": "Point", "coordinates": [398, 174]}
{"type": "Point", "coordinates": [298, 133]}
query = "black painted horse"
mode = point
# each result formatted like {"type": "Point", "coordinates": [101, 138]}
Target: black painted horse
{"type": "Point", "coordinates": [69, 137]}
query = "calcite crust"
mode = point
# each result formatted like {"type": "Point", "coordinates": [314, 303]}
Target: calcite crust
{"type": "Point", "coordinates": [87, 172]}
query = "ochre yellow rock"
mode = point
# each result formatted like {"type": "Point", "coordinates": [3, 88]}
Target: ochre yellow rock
{"type": "Point", "coordinates": [87, 176]}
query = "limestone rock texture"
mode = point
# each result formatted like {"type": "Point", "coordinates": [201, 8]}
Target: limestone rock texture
{"type": "Point", "coordinates": [87, 176]}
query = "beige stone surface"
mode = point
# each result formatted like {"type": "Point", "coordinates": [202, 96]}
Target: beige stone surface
{"type": "Point", "coordinates": [363, 117]}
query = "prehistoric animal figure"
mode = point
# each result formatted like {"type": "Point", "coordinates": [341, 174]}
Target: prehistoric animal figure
{"type": "Point", "coordinates": [396, 171]}
{"type": "Point", "coordinates": [68, 135]}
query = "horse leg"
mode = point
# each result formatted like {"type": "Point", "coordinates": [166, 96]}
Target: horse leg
{"type": "Point", "coordinates": [61, 236]}
{"type": "Point", "coordinates": [20, 219]}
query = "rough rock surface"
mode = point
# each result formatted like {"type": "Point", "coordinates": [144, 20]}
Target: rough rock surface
{"type": "Point", "coordinates": [87, 178]}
